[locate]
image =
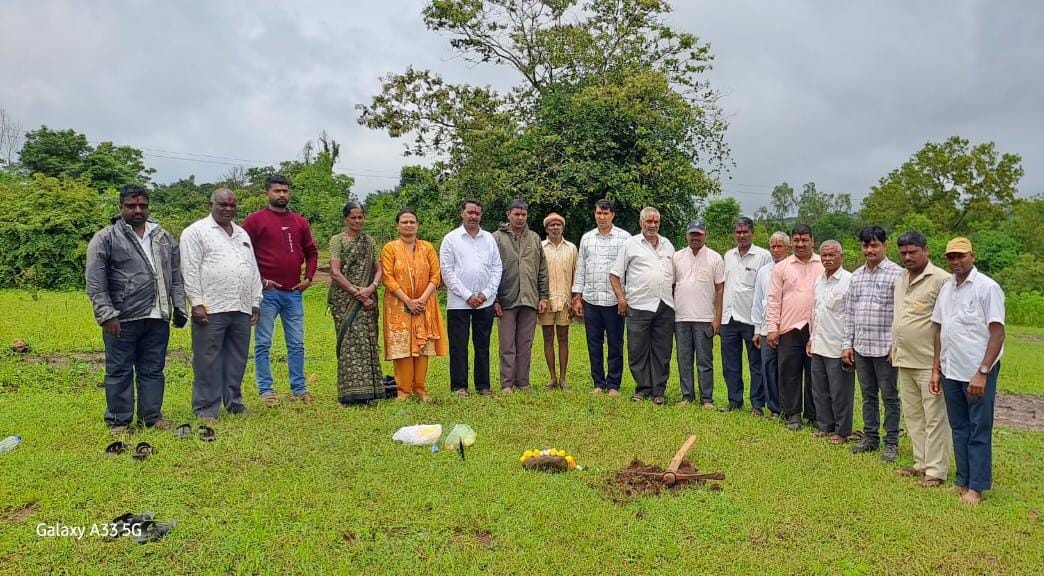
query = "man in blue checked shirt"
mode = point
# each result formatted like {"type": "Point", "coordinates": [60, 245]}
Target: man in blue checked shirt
{"type": "Point", "coordinates": [868, 342]}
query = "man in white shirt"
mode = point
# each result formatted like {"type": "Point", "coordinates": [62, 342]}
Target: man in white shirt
{"type": "Point", "coordinates": [833, 382]}
{"type": "Point", "coordinates": [645, 268]}
{"type": "Point", "coordinates": [699, 281]}
{"type": "Point", "coordinates": [595, 301]}
{"type": "Point", "coordinates": [768, 393]}
{"type": "Point", "coordinates": [737, 329]}
{"type": "Point", "coordinates": [471, 270]}
{"type": "Point", "coordinates": [223, 287]}
{"type": "Point", "coordinates": [968, 349]}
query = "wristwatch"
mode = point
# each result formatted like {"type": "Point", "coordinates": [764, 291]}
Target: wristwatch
{"type": "Point", "coordinates": [984, 370]}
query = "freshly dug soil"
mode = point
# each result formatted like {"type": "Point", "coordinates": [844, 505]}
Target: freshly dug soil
{"type": "Point", "coordinates": [640, 479]}
{"type": "Point", "coordinates": [1017, 411]}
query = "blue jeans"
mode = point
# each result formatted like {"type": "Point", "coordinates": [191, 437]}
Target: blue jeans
{"type": "Point", "coordinates": [287, 304]}
{"type": "Point", "coordinates": [734, 336]}
{"type": "Point", "coordinates": [971, 420]}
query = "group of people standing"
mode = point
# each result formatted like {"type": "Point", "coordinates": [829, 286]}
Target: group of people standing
{"type": "Point", "coordinates": [916, 336]}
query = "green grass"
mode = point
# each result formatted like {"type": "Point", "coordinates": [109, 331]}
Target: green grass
{"type": "Point", "coordinates": [322, 489]}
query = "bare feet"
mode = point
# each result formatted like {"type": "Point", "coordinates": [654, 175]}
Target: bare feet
{"type": "Point", "coordinates": [958, 490]}
{"type": "Point", "coordinates": [971, 497]}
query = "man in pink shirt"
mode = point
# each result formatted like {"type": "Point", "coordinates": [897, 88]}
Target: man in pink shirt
{"type": "Point", "coordinates": [788, 313]}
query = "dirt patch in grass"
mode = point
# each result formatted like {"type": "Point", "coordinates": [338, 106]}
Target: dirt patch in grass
{"type": "Point", "coordinates": [640, 479]}
{"type": "Point", "coordinates": [1019, 411]}
{"type": "Point", "coordinates": [322, 276]}
{"type": "Point", "coordinates": [1030, 337]}
{"type": "Point", "coordinates": [94, 360]}
{"type": "Point", "coordinates": [19, 513]}
{"type": "Point", "coordinates": [483, 538]}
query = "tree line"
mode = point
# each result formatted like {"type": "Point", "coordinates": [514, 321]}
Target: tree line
{"type": "Point", "coordinates": [610, 101]}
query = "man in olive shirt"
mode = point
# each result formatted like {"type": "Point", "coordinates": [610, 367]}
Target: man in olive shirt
{"type": "Point", "coordinates": [913, 337]}
{"type": "Point", "coordinates": [521, 297]}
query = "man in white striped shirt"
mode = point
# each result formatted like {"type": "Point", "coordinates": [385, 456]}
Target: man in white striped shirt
{"type": "Point", "coordinates": [595, 301]}
{"type": "Point", "coordinates": [223, 287]}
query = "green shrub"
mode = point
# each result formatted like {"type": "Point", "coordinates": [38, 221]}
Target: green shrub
{"type": "Point", "coordinates": [45, 227]}
{"type": "Point", "coordinates": [1025, 309]}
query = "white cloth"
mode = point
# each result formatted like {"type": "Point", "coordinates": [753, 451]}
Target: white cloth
{"type": "Point", "coordinates": [740, 275]}
{"type": "Point", "coordinates": [964, 314]}
{"type": "Point", "coordinates": [828, 313]}
{"type": "Point", "coordinates": [219, 270]}
{"type": "Point", "coordinates": [470, 265]}
{"type": "Point", "coordinates": [757, 308]}
{"type": "Point", "coordinates": [646, 272]}
{"type": "Point", "coordinates": [596, 255]}
{"type": "Point", "coordinates": [696, 277]}
{"type": "Point", "coordinates": [146, 246]}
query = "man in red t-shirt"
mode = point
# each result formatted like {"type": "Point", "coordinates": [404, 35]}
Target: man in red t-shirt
{"type": "Point", "coordinates": [282, 243]}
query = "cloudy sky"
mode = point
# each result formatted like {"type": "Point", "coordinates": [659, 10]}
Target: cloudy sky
{"type": "Point", "coordinates": [839, 93]}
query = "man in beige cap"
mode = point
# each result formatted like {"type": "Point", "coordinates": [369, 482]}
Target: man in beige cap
{"type": "Point", "coordinates": [968, 349]}
{"type": "Point", "coordinates": [561, 269]}
{"type": "Point", "coordinates": [913, 348]}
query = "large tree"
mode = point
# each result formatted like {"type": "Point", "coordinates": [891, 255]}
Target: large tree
{"type": "Point", "coordinates": [67, 154]}
{"type": "Point", "coordinates": [958, 186]}
{"type": "Point", "coordinates": [611, 102]}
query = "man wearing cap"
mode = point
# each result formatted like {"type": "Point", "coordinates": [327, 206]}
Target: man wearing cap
{"type": "Point", "coordinates": [561, 267]}
{"type": "Point", "coordinates": [595, 301]}
{"type": "Point", "coordinates": [699, 282]}
{"type": "Point", "coordinates": [913, 349]}
{"type": "Point", "coordinates": [968, 349]}
{"type": "Point", "coordinates": [737, 328]}
{"type": "Point", "coordinates": [645, 268]}
{"type": "Point", "coordinates": [521, 297]}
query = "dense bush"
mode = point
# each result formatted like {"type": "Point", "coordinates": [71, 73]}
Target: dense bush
{"type": "Point", "coordinates": [1026, 309]}
{"type": "Point", "coordinates": [45, 226]}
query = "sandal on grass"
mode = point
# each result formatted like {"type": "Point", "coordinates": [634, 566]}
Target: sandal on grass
{"type": "Point", "coordinates": [151, 531]}
{"type": "Point", "coordinates": [930, 482]}
{"type": "Point", "coordinates": [143, 450]}
{"type": "Point", "coordinates": [206, 433]}
{"type": "Point", "coordinates": [183, 432]}
{"type": "Point", "coordinates": [115, 449]}
{"type": "Point", "coordinates": [128, 523]}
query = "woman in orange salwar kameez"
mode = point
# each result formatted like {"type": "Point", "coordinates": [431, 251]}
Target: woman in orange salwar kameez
{"type": "Point", "coordinates": [413, 328]}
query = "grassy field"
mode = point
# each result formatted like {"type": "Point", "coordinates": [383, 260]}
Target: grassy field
{"type": "Point", "coordinates": [323, 490]}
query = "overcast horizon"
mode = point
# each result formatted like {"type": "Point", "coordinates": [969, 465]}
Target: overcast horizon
{"type": "Point", "coordinates": [835, 93]}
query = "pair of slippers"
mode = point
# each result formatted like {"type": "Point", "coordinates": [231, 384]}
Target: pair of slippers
{"type": "Point", "coordinates": [141, 452]}
{"type": "Point", "coordinates": [141, 528]}
{"type": "Point", "coordinates": [206, 433]}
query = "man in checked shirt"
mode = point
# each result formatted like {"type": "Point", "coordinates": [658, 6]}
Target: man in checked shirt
{"type": "Point", "coordinates": [868, 342]}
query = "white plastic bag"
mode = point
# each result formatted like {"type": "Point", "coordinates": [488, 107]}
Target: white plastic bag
{"type": "Point", "coordinates": [419, 434]}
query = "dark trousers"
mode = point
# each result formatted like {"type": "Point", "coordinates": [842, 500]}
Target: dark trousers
{"type": "Point", "coordinates": [795, 375]}
{"type": "Point", "coordinates": [734, 336]}
{"type": "Point", "coordinates": [698, 338]}
{"type": "Point", "coordinates": [876, 375]}
{"type": "Point", "coordinates": [833, 391]}
{"type": "Point", "coordinates": [604, 324]}
{"type": "Point", "coordinates": [479, 323]}
{"type": "Point", "coordinates": [136, 357]}
{"type": "Point", "coordinates": [971, 420]}
{"type": "Point", "coordinates": [769, 376]}
{"type": "Point", "coordinates": [219, 357]}
{"type": "Point", "coordinates": [650, 337]}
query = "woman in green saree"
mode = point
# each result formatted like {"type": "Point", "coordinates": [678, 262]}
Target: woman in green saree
{"type": "Point", "coordinates": [355, 273]}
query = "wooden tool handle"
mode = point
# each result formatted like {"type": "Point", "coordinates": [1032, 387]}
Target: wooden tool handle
{"type": "Point", "coordinates": [676, 462]}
